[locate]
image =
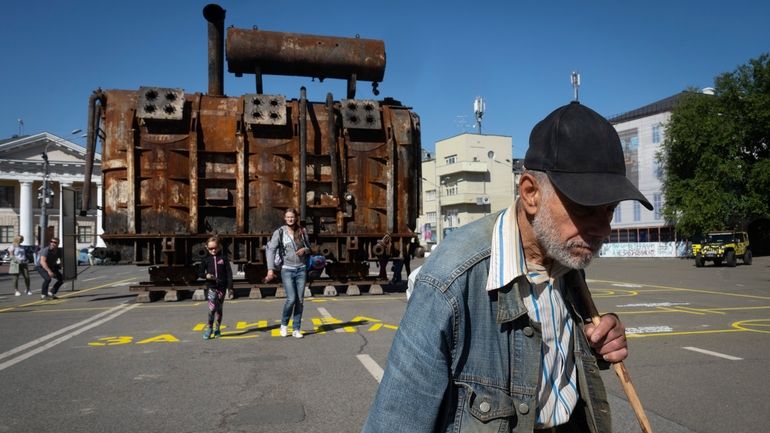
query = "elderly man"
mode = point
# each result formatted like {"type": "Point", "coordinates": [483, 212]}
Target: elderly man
{"type": "Point", "coordinates": [493, 339]}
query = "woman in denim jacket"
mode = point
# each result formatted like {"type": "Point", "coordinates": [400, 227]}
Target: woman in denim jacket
{"type": "Point", "coordinates": [291, 244]}
{"type": "Point", "coordinates": [491, 340]}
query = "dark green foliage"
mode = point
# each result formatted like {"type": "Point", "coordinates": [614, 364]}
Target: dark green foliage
{"type": "Point", "coordinates": [716, 153]}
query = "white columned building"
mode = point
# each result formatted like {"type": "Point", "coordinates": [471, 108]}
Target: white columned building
{"type": "Point", "coordinates": [22, 171]}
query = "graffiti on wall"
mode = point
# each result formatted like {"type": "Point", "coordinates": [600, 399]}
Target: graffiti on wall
{"type": "Point", "coordinates": [644, 249]}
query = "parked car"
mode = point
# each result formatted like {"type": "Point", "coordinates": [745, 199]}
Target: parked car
{"type": "Point", "coordinates": [5, 257]}
{"type": "Point", "coordinates": [83, 258]}
{"type": "Point", "coordinates": [724, 247]}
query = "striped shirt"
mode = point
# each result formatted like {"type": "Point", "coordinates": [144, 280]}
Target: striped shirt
{"type": "Point", "coordinates": [557, 391]}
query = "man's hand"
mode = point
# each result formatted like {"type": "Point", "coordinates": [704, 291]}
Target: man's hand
{"type": "Point", "coordinates": [608, 339]}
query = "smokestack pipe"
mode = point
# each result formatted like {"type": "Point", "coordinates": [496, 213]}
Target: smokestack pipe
{"type": "Point", "coordinates": [215, 15]}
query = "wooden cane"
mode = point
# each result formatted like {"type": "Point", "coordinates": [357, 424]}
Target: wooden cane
{"type": "Point", "coordinates": [620, 369]}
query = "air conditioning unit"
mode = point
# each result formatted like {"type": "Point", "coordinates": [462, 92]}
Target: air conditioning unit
{"type": "Point", "coordinates": [485, 200]}
{"type": "Point", "coordinates": [482, 200]}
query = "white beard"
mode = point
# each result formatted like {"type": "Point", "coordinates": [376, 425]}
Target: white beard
{"type": "Point", "coordinates": [548, 237]}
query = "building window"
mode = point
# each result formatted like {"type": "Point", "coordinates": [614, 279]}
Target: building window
{"type": "Point", "coordinates": [657, 170]}
{"type": "Point", "coordinates": [430, 195]}
{"type": "Point", "coordinates": [78, 199]}
{"type": "Point", "coordinates": [451, 159]}
{"type": "Point", "coordinates": [637, 211]}
{"type": "Point", "coordinates": [431, 217]}
{"type": "Point", "coordinates": [6, 234]}
{"type": "Point", "coordinates": [629, 139]}
{"type": "Point", "coordinates": [7, 196]}
{"type": "Point", "coordinates": [656, 134]}
{"type": "Point", "coordinates": [452, 190]}
{"type": "Point", "coordinates": [657, 203]}
{"type": "Point", "coordinates": [452, 218]}
{"type": "Point", "coordinates": [85, 234]}
{"type": "Point", "coordinates": [617, 218]}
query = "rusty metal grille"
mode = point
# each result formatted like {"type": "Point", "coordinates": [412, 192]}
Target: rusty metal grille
{"type": "Point", "coordinates": [264, 109]}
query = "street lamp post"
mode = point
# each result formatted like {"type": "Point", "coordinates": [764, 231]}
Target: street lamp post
{"type": "Point", "coordinates": [46, 194]}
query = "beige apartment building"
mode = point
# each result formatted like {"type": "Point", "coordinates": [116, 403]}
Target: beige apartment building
{"type": "Point", "coordinates": [468, 177]}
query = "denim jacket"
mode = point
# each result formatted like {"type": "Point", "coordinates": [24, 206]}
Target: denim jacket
{"type": "Point", "coordinates": [467, 360]}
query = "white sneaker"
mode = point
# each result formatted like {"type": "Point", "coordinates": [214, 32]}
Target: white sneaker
{"type": "Point", "coordinates": [29, 293]}
{"type": "Point", "coordinates": [297, 334]}
{"type": "Point", "coordinates": [284, 331]}
{"type": "Point", "coordinates": [17, 293]}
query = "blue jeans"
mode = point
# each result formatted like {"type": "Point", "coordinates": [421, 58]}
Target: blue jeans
{"type": "Point", "coordinates": [294, 284]}
{"type": "Point", "coordinates": [47, 280]}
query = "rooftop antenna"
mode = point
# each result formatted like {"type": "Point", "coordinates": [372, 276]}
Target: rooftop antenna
{"type": "Point", "coordinates": [575, 78]}
{"type": "Point", "coordinates": [21, 126]}
{"type": "Point", "coordinates": [478, 108]}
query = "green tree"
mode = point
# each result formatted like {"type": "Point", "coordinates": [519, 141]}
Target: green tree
{"type": "Point", "coordinates": [716, 154]}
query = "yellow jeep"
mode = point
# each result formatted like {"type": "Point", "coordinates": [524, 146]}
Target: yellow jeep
{"type": "Point", "coordinates": [724, 247]}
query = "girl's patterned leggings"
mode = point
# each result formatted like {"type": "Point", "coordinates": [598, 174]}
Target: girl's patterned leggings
{"type": "Point", "coordinates": [216, 298]}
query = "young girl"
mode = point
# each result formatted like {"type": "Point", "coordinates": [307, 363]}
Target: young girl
{"type": "Point", "coordinates": [215, 268]}
{"type": "Point", "coordinates": [291, 243]}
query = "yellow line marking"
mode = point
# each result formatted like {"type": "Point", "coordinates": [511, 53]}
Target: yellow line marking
{"type": "Point", "coordinates": [718, 310]}
{"type": "Point", "coordinates": [67, 295]}
{"type": "Point", "coordinates": [59, 310]}
{"type": "Point", "coordinates": [682, 289]}
{"type": "Point", "coordinates": [681, 310]}
{"type": "Point", "coordinates": [763, 323]}
{"type": "Point", "coordinates": [666, 334]}
{"type": "Point", "coordinates": [743, 308]}
{"type": "Point", "coordinates": [703, 310]}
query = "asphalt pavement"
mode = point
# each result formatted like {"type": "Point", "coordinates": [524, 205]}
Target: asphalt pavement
{"type": "Point", "coordinates": [94, 360]}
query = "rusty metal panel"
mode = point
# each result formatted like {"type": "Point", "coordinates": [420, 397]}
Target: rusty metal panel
{"type": "Point", "coordinates": [160, 103]}
{"type": "Point", "coordinates": [162, 173]}
{"type": "Point", "coordinates": [360, 114]}
{"type": "Point", "coordinates": [264, 109]}
{"type": "Point", "coordinates": [280, 53]}
{"type": "Point", "coordinates": [219, 194]}
{"type": "Point", "coordinates": [273, 171]}
{"type": "Point", "coordinates": [118, 136]}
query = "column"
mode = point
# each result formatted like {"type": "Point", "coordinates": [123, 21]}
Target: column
{"type": "Point", "coordinates": [26, 213]}
{"type": "Point", "coordinates": [99, 230]}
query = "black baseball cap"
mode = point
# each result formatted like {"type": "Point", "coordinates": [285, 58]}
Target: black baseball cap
{"type": "Point", "coordinates": [582, 155]}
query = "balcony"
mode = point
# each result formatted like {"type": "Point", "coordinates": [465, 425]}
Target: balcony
{"type": "Point", "coordinates": [460, 198]}
{"type": "Point", "coordinates": [462, 167]}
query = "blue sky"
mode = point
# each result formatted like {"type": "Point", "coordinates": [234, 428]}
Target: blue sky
{"type": "Point", "coordinates": [440, 55]}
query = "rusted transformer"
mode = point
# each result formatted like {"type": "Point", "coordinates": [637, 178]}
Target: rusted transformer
{"type": "Point", "coordinates": [179, 167]}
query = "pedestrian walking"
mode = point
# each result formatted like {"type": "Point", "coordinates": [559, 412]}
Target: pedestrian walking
{"type": "Point", "coordinates": [287, 252]}
{"type": "Point", "coordinates": [18, 265]}
{"type": "Point", "coordinates": [215, 269]}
